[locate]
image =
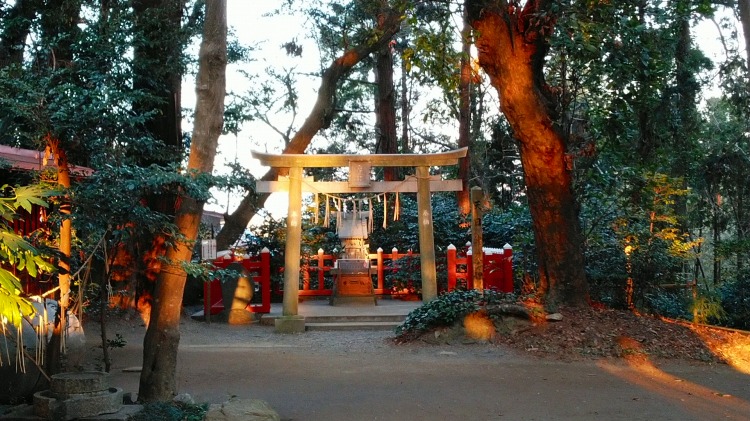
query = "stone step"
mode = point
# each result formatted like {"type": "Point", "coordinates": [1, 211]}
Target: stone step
{"type": "Point", "coordinates": [394, 319]}
{"type": "Point", "coordinates": [331, 326]}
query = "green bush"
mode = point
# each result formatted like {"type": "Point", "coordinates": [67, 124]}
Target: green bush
{"type": "Point", "coordinates": [735, 300]}
{"type": "Point", "coordinates": [446, 309]}
{"type": "Point", "coordinates": [405, 275]}
{"type": "Point", "coordinates": [707, 308]}
{"type": "Point", "coordinates": [171, 411]}
{"type": "Point", "coordinates": [669, 304]}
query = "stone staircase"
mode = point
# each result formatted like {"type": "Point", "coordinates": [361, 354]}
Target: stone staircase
{"type": "Point", "coordinates": [345, 322]}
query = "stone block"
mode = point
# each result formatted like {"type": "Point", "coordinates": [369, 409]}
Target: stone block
{"type": "Point", "coordinates": [289, 324]}
{"type": "Point", "coordinates": [74, 407]}
{"type": "Point", "coordinates": [64, 385]}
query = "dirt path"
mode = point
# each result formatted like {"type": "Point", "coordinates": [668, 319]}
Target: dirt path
{"type": "Point", "coordinates": [361, 376]}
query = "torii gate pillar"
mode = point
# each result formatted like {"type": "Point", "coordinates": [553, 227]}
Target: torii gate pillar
{"type": "Point", "coordinates": [426, 235]}
{"type": "Point", "coordinates": [290, 321]}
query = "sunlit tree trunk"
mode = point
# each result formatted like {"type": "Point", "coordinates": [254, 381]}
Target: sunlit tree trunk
{"type": "Point", "coordinates": [57, 343]}
{"type": "Point", "coordinates": [59, 29]}
{"type": "Point", "coordinates": [157, 382]}
{"type": "Point", "coordinates": [512, 45]}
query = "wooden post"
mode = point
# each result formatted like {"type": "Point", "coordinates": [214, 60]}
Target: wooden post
{"type": "Point", "coordinates": [469, 269]}
{"type": "Point", "coordinates": [265, 278]}
{"type": "Point", "coordinates": [451, 267]}
{"type": "Point", "coordinates": [508, 268]}
{"type": "Point", "coordinates": [207, 308]}
{"type": "Point", "coordinates": [381, 275]}
{"type": "Point", "coordinates": [477, 255]}
{"type": "Point", "coordinates": [426, 235]}
{"type": "Point", "coordinates": [293, 240]}
{"type": "Point", "coordinates": [321, 271]}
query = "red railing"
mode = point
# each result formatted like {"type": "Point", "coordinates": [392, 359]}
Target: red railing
{"type": "Point", "coordinates": [498, 269]}
{"type": "Point", "coordinates": [260, 264]}
{"type": "Point", "coordinates": [319, 270]}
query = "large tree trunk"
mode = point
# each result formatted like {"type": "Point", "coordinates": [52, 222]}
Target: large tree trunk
{"type": "Point", "coordinates": [404, 141]}
{"type": "Point", "coordinates": [744, 13]}
{"type": "Point", "coordinates": [157, 70]}
{"type": "Point", "coordinates": [57, 341]}
{"type": "Point", "coordinates": [385, 102]}
{"type": "Point", "coordinates": [157, 51]}
{"type": "Point", "coordinates": [684, 132]}
{"type": "Point", "coordinates": [512, 46]}
{"type": "Point", "coordinates": [464, 116]}
{"type": "Point", "coordinates": [59, 29]}
{"type": "Point", "coordinates": [319, 118]}
{"type": "Point", "coordinates": [162, 338]}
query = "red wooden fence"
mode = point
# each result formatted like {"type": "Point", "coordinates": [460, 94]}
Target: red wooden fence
{"type": "Point", "coordinates": [498, 273]}
{"type": "Point", "coordinates": [498, 268]}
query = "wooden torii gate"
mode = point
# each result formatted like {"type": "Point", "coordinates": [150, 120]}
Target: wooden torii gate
{"type": "Point", "coordinates": [359, 182]}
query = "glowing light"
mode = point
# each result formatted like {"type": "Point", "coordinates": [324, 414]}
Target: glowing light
{"type": "Point", "coordinates": [478, 326]}
{"type": "Point", "coordinates": [144, 308]}
{"type": "Point", "coordinates": [735, 350]}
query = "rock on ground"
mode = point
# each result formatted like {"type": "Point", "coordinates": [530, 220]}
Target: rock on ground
{"type": "Point", "coordinates": [242, 410]}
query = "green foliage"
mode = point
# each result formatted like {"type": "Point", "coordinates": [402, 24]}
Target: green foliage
{"type": "Point", "coordinates": [706, 307]}
{"type": "Point", "coordinates": [404, 275]}
{"type": "Point", "coordinates": [446, 309]}
{"type": "Point", "coordinates": [403, 234]}
{"type": "Point", "coordinates": [118, 342]}
{"type": "Point", "coordinates": [17, 253]}
{"type": "Point", "coordinates": [171, 411]}
{"type": "Point", "coordinates": [735, 300]}
{"type": "Point", "coordinates": [669, 304]}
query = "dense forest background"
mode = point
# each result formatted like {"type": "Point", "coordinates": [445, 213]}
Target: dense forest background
{"type": "Point", "coordinates": [655, 133]}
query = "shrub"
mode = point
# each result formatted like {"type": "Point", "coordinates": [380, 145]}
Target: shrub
{"type": "Point", "coordinates": [446, 309]}
{"type": "Point", "coordinates": [735, 300]}
{"type": "Point", "coordinates": [405, 276]}
{"type": "Point", "coordinates": [707, 308]}
{"type": "Point", "coordinates": [171, 411]}
{"type": "Point", "coordinates": [668, 304]}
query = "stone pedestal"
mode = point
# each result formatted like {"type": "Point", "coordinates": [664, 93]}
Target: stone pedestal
{"type": "Point", "coordinates": [77, 395]}
{"type": "Point", "coordinates": [353, 288]}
